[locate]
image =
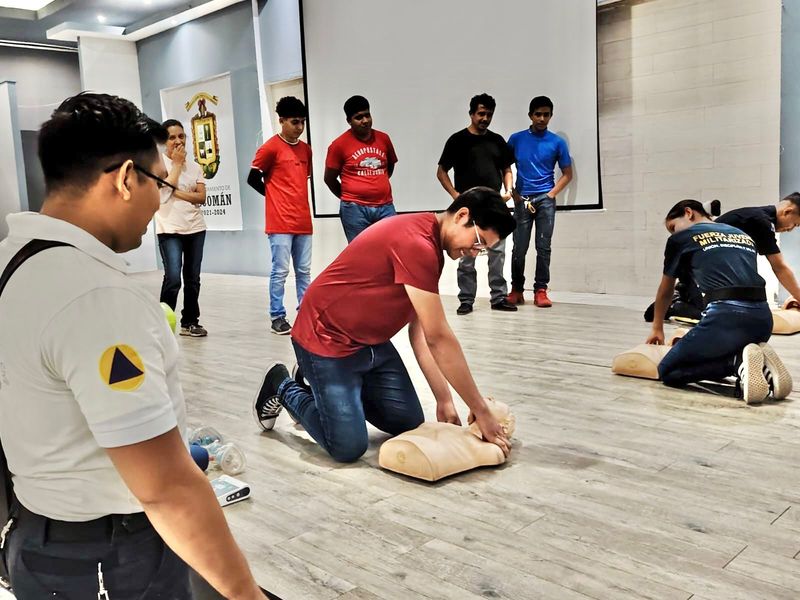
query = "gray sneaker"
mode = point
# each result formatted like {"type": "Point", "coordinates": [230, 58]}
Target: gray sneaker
{"type": "Point", "coordinates": [754, 385]}
{"type": "Point", "coordinates": [280, 326]}
{"type": "Point", "coordinates": [194, 330]}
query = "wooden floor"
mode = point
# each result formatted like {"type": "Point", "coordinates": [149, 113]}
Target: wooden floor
{"type": "Point", "coordinates": [616, 488]}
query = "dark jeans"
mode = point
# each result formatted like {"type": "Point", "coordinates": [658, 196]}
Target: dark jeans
{"type": "Point", "coordinates": [135, 566]}
{"type": "Point", "coordinates": [370, 385]}
{"type": "Point", "coordinates": [545, 220]}
{"type": "Point", "coordinates": [357, 217]}
{"type": "Point", "coordinates": [177, 248]}
{"type": "Point", "coordinates": [709, 350]}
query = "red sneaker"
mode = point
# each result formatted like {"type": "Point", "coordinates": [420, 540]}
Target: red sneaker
{"type": "Point", "coordinates": [540, 298]}
{"type": "Point", "coordinates": [515, 297]}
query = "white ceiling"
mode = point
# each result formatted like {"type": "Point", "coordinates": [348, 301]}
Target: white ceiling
{"type": "Point", "coordinates": [60, 22]}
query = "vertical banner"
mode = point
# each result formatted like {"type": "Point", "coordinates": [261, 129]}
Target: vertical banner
{"type": "Point", "coordinates": [206, 110]}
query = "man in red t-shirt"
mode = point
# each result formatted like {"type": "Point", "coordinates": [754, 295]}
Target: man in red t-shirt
{"type": "Point", "coordinates": [357, 170]}
{"type": "Point", "coordinates": [280, 172]}
{"type": "Point", "coordinates": [386, 279]}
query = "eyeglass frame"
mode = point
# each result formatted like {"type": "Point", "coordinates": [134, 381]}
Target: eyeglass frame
{"type": "Point", "coordinates": [481, 247]}
{"type": "Point", "coordinates": [160, 183]}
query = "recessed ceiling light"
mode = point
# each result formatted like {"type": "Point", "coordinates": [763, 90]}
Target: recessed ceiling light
{"type": "Point", "coordinates": [101, 18]}
{"type": "Point", "coordinates": [25, 4]}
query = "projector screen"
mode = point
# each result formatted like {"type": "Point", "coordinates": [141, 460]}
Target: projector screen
{"type": "Point", "coordinates": [419, 62]}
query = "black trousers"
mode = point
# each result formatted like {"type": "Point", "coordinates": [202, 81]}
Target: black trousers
{"type": "Point", "coordinates": [53, 559]}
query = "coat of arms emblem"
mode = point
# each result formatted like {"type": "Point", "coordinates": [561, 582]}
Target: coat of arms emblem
{"type": "Point", "coordinates": [204, 134]}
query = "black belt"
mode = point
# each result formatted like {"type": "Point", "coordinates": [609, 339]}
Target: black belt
{"type": "Point", "coordinates": [747, 294]}
{"type": "Point", "coordinates": [101, 529]}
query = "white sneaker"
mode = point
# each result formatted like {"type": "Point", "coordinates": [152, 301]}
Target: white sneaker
{"type": "Point", "coordinates": [776, 373]}
{"type": "Point", "coordinates": [751, 375]}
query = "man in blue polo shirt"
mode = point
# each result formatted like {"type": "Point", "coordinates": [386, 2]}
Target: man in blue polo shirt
{"type": "Point", "coordinates": [536, 151]}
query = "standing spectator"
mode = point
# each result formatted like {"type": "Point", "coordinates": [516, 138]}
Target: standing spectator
{"type": "Point", "coordinates": [479, 157]}
{"type": "Point", "coordinates": [537, 151]}
{"type": "Point", "coordinates": [181, 229]}
{"type": "Point", "coordinates": [280, 172]}
{"type": "Point", "coordinates": [108, 502]}
{"type": "Point", "coordinates": [357, 170]}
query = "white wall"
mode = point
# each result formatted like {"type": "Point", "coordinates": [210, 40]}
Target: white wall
{"type": "Point", "coordinates": [280, 40]}
{"type": "Point", "coordinates": [112, 67]}
{"type": "Point", "coordinates": [419, 85]}
{"type": "Point", "coordinates": [689, 108]}
{"type": "Point", "coordinates": [44, 79]}
{"type": "Point", "coordinates": [12, 175]}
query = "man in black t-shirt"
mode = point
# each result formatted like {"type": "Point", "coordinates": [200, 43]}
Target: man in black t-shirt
{"type": "Point", "coordinates": [762, 223]}
{"type": "Point", "coordinates": [479, 157]}
{"type": "Point", "coordinates": [731, 337]}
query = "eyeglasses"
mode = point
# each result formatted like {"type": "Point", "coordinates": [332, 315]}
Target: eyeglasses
{"type": "Point", "coordinates": [159, 182]}
{"type": "Point", "coordinates": [480, 245]}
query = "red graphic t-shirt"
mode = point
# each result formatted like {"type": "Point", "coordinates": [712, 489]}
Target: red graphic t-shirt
{"type": "Point", "coordinates": [286, 168]}
{"type": "Point", "coordinates": [363, 167]}
{"type": "Point", "coordinates": [359, 300]}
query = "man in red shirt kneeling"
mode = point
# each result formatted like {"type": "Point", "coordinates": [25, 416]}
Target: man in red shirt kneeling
{"type": "Point", "coordinates": [387, 278]}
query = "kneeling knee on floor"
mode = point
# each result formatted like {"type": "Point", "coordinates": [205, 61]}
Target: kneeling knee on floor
{"type": "Point", "coordinates": [350, 452]}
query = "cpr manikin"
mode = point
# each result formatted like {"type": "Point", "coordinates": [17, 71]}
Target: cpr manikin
{"type": "Point", "coordinates": [435, 450]}
{"type": "Point", "coordinates": [642, 360]}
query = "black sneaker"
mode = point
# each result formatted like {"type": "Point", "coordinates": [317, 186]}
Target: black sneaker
{"type": "Point", "coordinates": [267, 404]}
{"type": "Point", "coordinates": [280, 326]}
{"type": "Point", "coordinates": [464, 309]}
{"type": "Point", "coordinates": [504, 305]}
{"type": "Point", "coordinates": [194, 330]}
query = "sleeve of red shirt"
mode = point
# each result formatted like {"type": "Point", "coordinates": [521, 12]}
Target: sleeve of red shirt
{"type": "Point", "coordinates": [391, 155]}
{"type": "Point", "coordinates": [308, 149]}
{"type": "Point", "coordinates": [334, 159]}
{"type": "Point", "coordinates": [264, 159]}
{"type": "Point", "coordinates": [416, 263]}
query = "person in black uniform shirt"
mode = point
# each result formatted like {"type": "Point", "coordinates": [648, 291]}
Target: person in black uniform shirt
{"type": "Point", "coordinates": [479, 157]}
{"type": "Point", "coordinates": [732, 334]}
{"type": "Point", "coordinates": [762, 223]}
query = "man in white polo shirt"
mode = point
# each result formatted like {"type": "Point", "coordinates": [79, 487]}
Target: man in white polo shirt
{"type": "Point", "coordinates": [181, 229]}
{"type": "Point", "coordinates": [109, 504]}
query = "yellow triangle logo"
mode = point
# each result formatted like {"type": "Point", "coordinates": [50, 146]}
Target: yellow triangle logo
{"type": "Point", "coordinates": [121, 368]}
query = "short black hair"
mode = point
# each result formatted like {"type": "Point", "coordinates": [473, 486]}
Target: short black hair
{"type": "Point", "coordinates": [484, 99]}
{"type": "Point", "coordinates": [487, 210]}
{"type": "Point", "coordinates": [794, 198]}
{"type": "Point", "coordinates": [171, 123]}
{"type": "Point", "coordinates": [680, 208]}
{"type": "Point", "coordinates": [90, 132]}
{"type": "Point", "coordinates": [289, 107]}
{"type": "Point", "coordinates": [539, 102]}
{"type": "Point", "coordinates": [355, 104]}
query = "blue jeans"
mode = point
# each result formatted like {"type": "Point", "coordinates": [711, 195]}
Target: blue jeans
{"type": "Point", "coordinates": [179, 250]}
{"type": "Point", "coordinates": [370, 385]}
{"type": "Point", "coordinates": [357, 217]}
{"type": "Point", "coordinates": [545, 219]}
{"type": "Point", "coordinates": [286, 246]}
{"type": "Point", "coordinates": [710, 350]}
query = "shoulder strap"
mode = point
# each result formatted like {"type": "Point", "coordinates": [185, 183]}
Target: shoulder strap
{"type": "Point", "coordinates": [28, 250]}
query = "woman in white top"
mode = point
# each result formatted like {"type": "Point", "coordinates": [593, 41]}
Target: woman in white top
{"type": "Point", "coordinates": [181, 229]}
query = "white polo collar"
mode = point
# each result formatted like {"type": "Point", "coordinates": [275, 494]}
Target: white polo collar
{"type": "Point", "coordinates": [35, 226]}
